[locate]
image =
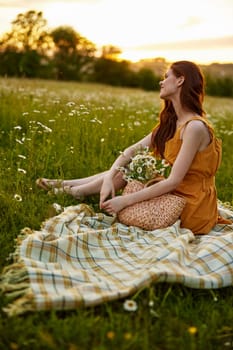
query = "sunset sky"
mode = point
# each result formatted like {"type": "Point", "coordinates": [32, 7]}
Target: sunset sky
{"type": "Point", "coordinates": [197, 30]}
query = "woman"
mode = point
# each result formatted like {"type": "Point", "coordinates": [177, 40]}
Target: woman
{"type": "Point", "coordinates": [185, 139]}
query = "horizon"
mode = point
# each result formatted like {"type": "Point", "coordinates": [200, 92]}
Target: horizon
{"type": "Point", "coordinates": [135, 27]}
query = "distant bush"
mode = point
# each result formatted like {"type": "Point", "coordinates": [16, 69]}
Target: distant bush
{"type": "Point", "coordinates": [147, 80]}
{"type": "Point", "coordinates": [219, 86]}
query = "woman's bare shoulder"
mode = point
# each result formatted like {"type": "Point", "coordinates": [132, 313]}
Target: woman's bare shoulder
{"type": "Point", "coordinates": [197, 127]}
{"type": "Point", "coordinates": [198, 130]}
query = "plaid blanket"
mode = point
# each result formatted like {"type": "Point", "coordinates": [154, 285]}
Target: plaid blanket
{"type": "Point", "coordinates": [83, 258]}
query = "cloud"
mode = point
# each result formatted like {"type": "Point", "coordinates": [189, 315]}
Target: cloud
{"type": "Point", "coordinates": [200, 44]}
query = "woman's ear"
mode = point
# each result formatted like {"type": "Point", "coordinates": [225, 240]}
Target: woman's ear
{"type": "Point", "coordinates": [180, 80]}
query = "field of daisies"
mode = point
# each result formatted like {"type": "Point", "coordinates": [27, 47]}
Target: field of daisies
{"type": "Point", "coordinates": [70, 130]}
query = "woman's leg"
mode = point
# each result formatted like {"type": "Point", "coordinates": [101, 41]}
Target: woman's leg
{"type": "Point", "coordinates": [48, 184]}
{"type": "Point", "coordinates": [94, 186]}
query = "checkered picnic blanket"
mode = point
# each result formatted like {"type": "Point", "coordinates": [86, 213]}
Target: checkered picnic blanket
{"type": "Point", "coordinates": [83, 258]}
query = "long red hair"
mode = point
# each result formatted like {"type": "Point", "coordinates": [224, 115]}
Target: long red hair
{"type": "Point", "coordinates": [191, 98]}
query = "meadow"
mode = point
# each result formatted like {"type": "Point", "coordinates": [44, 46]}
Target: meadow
{"type": "Point", "coordinates": [70, 130]}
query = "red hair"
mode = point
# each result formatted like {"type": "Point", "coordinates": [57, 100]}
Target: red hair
{"type": "Point", "coordinates": [191, 98]}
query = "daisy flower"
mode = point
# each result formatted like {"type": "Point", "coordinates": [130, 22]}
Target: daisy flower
{"type": "Point", "coordinates": [130, 305]}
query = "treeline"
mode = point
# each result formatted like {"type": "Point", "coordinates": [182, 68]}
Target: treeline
{"type": "Point", "coordinates": [219, 86]}
{"type": "Point", "coordinates": [31, 50]}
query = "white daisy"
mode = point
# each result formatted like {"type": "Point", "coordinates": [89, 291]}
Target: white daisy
{"type": "Point", "coordinates": [130, 305]}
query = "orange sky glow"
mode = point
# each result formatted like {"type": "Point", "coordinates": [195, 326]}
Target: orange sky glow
{"type": "Point", "coordinates": [200, 30]}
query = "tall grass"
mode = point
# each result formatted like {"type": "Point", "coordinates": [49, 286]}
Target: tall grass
{"type": "Point", "coordinates": [70, 130]}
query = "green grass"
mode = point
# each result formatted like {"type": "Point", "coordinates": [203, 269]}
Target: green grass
{"type": "Point", "coordinates": [72, 130]}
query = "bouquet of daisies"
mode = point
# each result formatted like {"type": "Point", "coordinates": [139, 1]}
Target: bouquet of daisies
{"type": "Point", "coordinates": [144, 167]}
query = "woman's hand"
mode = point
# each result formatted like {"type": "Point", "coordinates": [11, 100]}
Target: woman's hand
{"type": "Point", "coordinates": [107, 190]}
{"type": "Point", "coordinates": [114, 205]}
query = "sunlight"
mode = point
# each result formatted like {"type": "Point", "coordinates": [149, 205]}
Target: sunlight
{"type": "Point", "coordinates": [128, 24]}
{"type": "Point", "coordinates": [135, 25]}
{"type": "Point", "coordinates": [198, 56]}
{"type": "Point", "coordinates": [131, 23]}
{"type": "Point", "coordinates": [119, 23]}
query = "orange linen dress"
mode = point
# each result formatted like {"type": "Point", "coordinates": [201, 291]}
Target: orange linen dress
{"type": "Point", "coordinates": [198, 186]}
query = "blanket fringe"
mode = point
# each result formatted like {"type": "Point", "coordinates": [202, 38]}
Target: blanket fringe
{"type": "Point", "coordinates": [21, 305]}
{"type": "Point", "coordinates": [14, 277]}
{"type": "Point", "coordinates": [15, 286]}
{"type": "Point", "coordinates": [24, 233]}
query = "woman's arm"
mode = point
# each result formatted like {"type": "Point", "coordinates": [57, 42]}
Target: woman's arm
{"type": "Point", "coordinates": [124, 158]}
{"type": "Point", "coordinates": [128, 153]}
{"type": "Point", "coordinates": [194, 136]}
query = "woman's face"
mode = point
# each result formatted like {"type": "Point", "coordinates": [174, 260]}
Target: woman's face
{"type": "Point", "coordinates": [169, 85]}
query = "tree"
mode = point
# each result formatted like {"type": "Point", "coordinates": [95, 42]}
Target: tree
{"type": "Point", "coordinates": [26, 45]}
{"type": "Point", "coordinates": [28, 33]}
{"type": "Point", "coordinates": [110, 52]}
{"type": "Point", "coordinates": [73, 54]}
